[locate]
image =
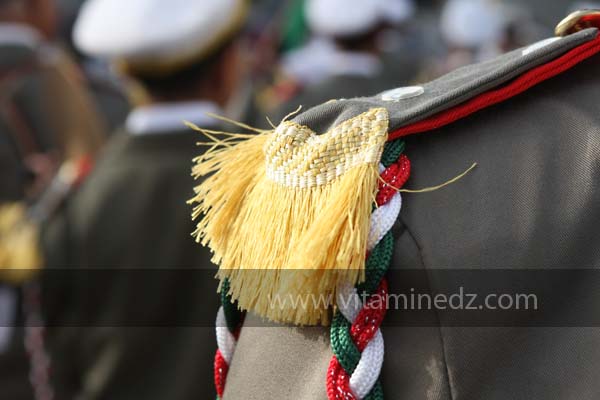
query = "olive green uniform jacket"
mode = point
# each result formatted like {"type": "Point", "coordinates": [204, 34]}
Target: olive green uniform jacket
{"type": "Point", "coordinates": [123, 303]}
{"type": "Point", "coordinates": [44, 111]}
{"type": "Point", "coordinates": [532, 202]}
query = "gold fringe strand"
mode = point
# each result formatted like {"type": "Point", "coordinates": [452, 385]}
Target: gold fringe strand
{"type": "Point", "coordinates": [433, 188]}
{"type": "Point", "coordinates": [20, 258]}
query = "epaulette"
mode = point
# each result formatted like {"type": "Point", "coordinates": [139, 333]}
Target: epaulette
{"type": "Point", "coordinates": [464, 91]}
{"type": "Point", "coordinates": [318, 149]}
{"type": "Point", "coordinates": [300, 217]}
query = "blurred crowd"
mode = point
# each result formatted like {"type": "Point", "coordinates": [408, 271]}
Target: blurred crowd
{"type": "Point", "coordinates": [95, 158]}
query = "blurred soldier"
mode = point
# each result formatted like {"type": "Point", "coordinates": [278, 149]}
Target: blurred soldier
{"type": "Point", "coordinates": [342, 197]}
{"type": "Point", "coordinates": [46, 120]}
{"type": "Point", "coordinates": [108, 91]}
{"type": "Point", "coordinates": [344, 58]}
{"type": "Point", "coordinates": [546, 12]}
{"type": "Point", "coordinates": [473, 31]}
{"type": "Point", "coordinates": [132, 212]}
{"type": "Point", "coordinates": [40, 129]}
{"type": "Point", "coordinates": [479, 30]}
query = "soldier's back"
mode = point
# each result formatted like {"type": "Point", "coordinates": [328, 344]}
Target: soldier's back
{"type": "Point", "coordinates": [139, 286]}
{"type": "Point", "coordinates": [529, 204]}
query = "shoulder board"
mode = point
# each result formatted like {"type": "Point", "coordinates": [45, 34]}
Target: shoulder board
{"type": "Point", "coordinates": [418, 109]}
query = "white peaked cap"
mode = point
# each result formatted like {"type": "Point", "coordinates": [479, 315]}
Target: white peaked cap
{"type": "Point", "coordinates": [347, 18]}
{"type": "Point", "coordinates": [472, 23]}
{"type": "Point", "coordinates": [156, 33]}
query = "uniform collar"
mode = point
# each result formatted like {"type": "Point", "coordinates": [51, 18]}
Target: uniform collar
{"type": "Point", "coordinates": [13, 33]}
{"type": "Point", "coordinates": [169, 117]}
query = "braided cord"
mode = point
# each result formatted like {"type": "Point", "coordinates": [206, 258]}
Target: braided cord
{"type": "Point", "coordinates": [229, 321]}
{"type": "Point", "coordinates": [392, 151]}
{"type": "Point", "coordinates": [355, 333]}
{"type": "Point", "coordinates": [356, 339]}
{"type": "Point", "coordinates": [233, 315]}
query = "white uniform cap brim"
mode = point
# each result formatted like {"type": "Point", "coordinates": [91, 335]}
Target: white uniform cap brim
{"type": "Point", "coordinates": [343, 18]}
{"type": "Point", "coordinates": [472, 23]}
{"type": "Point", "coordinates": [140, 31]}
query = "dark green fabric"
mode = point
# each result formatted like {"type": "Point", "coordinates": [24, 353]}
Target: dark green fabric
{"type": "Point", "coordinates": [132, 214]}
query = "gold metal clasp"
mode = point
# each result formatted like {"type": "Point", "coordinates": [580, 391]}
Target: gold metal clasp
{"type": "Point", "coordinates": [578, 21]}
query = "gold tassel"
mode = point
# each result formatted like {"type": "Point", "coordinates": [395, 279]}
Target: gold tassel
{"type": "Point", "coordinates": [286, 213]}
{"type": "Point", "coordinates": [20, 258]}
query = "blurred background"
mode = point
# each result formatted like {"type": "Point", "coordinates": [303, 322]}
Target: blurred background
{"type": "Point", "coordinates": [95, 160]}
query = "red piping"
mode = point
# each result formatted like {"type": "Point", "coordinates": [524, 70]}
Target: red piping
{"type": "Point", "coordinates": [516, 87]}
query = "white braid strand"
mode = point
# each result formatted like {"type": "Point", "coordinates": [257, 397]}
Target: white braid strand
{"type": "Point", "coordinates": [349, 304]}
{"type": "Point", "coordinates": [225, 340]}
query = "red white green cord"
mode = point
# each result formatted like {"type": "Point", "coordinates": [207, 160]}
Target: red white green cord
{"type": "Point", "coordinates": [355, 335]}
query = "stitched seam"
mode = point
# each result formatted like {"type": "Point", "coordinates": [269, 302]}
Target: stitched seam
{"type": "Point", "coordinates": [442, 344]}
